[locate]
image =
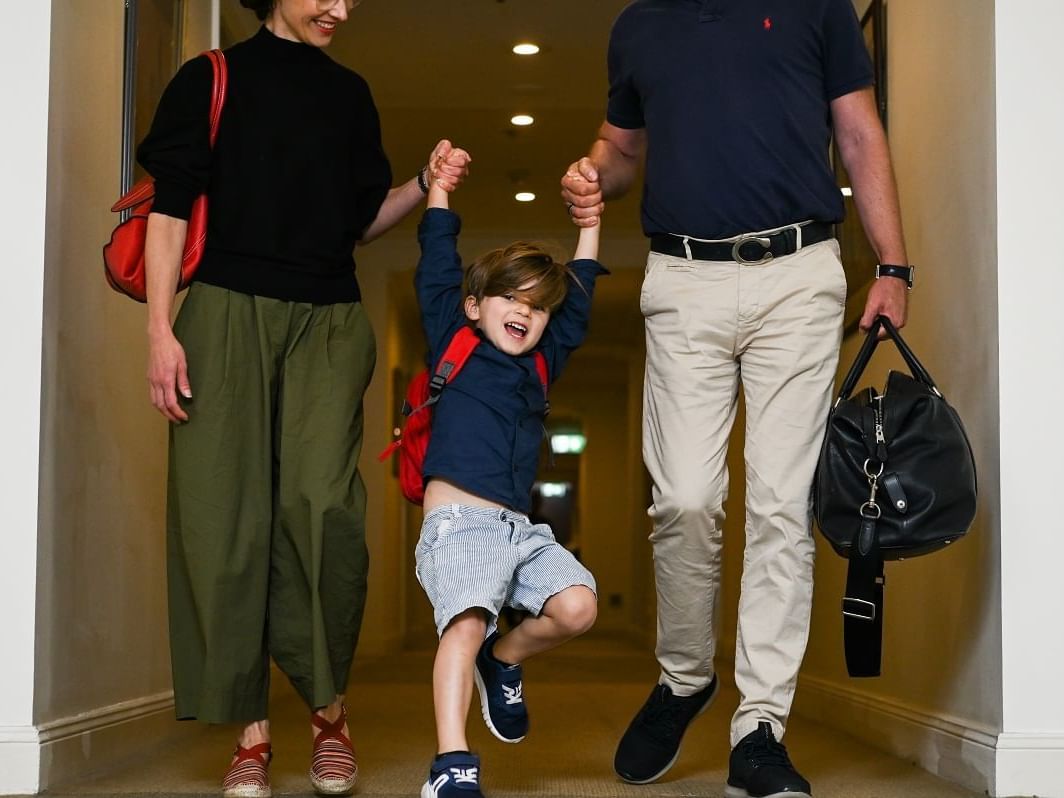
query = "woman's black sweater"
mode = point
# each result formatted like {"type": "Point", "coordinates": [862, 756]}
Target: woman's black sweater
{"type": "Point", "coordinates": [296, 176]}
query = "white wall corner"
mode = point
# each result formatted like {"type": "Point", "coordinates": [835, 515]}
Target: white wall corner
{"type": "Point", "coordinates": [20, 760]}
{"type": "Point", "coordinates": [1030, 170]}
{"type": "Point", "coordinates": [1030, 764]}
{"type": "Point", "coordinates": [24, 85]}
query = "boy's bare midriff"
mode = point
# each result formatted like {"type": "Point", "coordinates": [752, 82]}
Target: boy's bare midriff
{"type": "Point", "coordinates": [440, 491]}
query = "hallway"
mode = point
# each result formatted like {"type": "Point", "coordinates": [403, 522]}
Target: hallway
{"type": "Point", "coordinates": [580, 698]}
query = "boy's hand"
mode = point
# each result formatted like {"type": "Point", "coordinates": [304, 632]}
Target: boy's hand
{"type": "Point", "coordinates": [582, 193]}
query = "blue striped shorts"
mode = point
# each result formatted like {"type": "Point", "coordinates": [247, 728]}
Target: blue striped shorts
{"type": "Point", "coordinates": [490, 558]}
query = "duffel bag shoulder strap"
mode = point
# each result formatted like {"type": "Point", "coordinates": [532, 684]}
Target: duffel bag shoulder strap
{"type": "Point", "coordinates": [862, 604]}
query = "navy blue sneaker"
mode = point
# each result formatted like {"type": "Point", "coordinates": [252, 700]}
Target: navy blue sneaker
{"type": "Point", "coordinates": [502, 700]}
{"type": "Point", "coordinates": [455, 775]}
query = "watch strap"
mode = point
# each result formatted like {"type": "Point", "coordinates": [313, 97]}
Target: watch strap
{"type": "Point", "coordinates": [905, 273]}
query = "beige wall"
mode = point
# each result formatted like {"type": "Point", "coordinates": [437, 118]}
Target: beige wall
{"type": "Point", "coordinates": [101, 587]}
{"type": "Point", "coordinates": [942, 662]}
{"type": "Point", "coordinates": [102, 653]}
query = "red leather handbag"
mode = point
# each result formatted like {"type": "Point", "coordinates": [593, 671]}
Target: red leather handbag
{"type": "Point", "coordinates": [123, 255]}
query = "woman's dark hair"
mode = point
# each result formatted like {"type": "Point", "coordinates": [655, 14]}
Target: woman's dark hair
{"type": "Point", "coordinates": [262, 8]}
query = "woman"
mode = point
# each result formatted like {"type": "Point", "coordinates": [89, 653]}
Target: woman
{"type": "Point", "coordinates": [266, 508]}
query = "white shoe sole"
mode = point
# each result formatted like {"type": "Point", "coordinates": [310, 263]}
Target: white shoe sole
{"type": "Point", "coordinates": [739, 792]}
{"type": "Point", "coordinates": [247, 791]}
{"type": "Point", "coordinates": [333, 786]}
{"type": "Point", "coordinates": [487, 715]}
{"type": "Point", "coordinates": [668, 767]}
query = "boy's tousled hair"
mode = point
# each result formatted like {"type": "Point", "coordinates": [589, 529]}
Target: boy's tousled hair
{"type": "Point", "coordinates": [506, 269]}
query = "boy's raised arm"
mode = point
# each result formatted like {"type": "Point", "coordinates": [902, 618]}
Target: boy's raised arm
{"type": "Point", "coordinates": [568, 325]}
{"type": "Point", "coordinates": [438, 279]}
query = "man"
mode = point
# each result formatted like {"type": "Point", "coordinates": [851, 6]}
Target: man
{"type": "Point", "coordinates": [732, 104]}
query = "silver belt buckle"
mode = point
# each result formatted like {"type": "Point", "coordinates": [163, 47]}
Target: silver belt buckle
{"type": "Point", "coordinates": [764, 241]}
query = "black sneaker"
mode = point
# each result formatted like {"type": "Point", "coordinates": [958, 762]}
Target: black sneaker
{"type": "Point", "coordinates": [760, 768]}
{"type": "Point", "coordinates": [455, 775]}
{"type": "Point", "coordinates": [650, 746]}
{"type": "Point", "coordinates": [502, 699]}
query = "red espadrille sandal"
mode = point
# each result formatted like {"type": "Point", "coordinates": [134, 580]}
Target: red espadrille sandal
{"type": "Point", "coordinates": [248, 776]}
{"type": "Point", "coordinates": [333, 769]}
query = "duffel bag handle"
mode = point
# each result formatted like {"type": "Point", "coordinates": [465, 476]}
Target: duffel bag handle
{"type": "Point", "coordinates": [916, 368]}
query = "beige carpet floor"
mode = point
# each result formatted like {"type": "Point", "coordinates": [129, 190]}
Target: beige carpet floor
{"type": "Point", "coordinates": [580, 699]}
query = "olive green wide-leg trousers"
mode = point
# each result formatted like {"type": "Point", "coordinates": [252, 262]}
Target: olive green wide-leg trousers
{"type": "Point", "coordinates": [266, 508]}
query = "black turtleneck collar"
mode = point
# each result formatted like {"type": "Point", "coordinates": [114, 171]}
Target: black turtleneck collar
{"type": "Point", "coordinates": [279, 47]}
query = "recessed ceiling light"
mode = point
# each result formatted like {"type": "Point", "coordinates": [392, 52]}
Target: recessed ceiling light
{"type": "Point", "coordinates": [522, 120]}
{"type": "Point", "coordinates": [524, 196]}
{"type": "Point", "coordinates": [526, 48]}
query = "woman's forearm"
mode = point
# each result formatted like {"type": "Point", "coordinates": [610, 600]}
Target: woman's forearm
{"type": "Point", "coordinates": [399, 203]}
{"type": "Point", "coordinates": [163, 247]}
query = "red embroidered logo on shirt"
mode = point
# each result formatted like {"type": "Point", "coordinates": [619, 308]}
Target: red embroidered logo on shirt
{"type": "Point", "coordinates": [767, 23]}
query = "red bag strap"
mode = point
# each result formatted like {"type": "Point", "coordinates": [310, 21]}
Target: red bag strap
{"type": "Point", "coordinates": [218, 90]}
{"type": "Point", "coordinates": [452, 360]}
{"type": "Point", "coordinates": [461, 347]}
{"type": "Point", "coordinates": [541, 369]}
{"type": "Point", "coordinates": [145, 188]}
{"type": "Point", "coordinates": [454, 357]}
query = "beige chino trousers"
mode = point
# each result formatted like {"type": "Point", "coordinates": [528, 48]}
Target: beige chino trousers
{"type": "Point", "coordinates": [775, 328]}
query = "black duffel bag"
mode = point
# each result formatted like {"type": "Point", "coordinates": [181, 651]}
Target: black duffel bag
{"type": "Point", "coordinates": [896, 479]}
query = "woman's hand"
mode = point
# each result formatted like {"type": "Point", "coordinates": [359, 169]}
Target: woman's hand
{"type": "Point", "coordinates": [448, 166]}
{"type": "Point", "coordinates": [167, 374]}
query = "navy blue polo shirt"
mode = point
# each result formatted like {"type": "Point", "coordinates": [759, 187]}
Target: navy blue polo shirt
{"type": "Point", "coordinates": [735, 98]}
{"type": "Point", "coordinates": [487, 427]}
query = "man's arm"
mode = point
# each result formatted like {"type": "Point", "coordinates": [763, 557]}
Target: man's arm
{"type": "Point", "coordinates": [607, 172]}
{"type": "Point", "coordinates": [866, 156]}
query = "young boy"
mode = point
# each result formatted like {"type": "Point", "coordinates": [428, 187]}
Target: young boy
{"type": "Point", "coordinates": [478, 550]}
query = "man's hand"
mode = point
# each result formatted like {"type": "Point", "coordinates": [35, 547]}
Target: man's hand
{"type": "Point", "coordinates": [582, 193]}
{"type": "Point", "coordinates": [888, 296]}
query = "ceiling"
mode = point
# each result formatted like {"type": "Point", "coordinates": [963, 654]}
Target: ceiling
{"type": "Point", "coordinates": [446, 70]}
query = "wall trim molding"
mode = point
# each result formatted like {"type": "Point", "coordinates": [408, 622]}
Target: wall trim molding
{"type": "Point", "coordinates": [947, 746]}
{"type": "Point", "coordinates": [92, 742]}
{"type": "Point", "coordinates": [102, 717]}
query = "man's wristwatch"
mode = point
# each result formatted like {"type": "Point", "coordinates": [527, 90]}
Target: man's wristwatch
{"type": "Point", "coordinates": [906, 273]}
{"type": "Point", "coordinates": [422, 183]}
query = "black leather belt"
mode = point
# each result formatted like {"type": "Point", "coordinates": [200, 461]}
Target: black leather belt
{"type": "Point", "coordinates": [745, 249]}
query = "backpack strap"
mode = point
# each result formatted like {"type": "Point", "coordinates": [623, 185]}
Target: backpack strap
{"type": "Point", "coordinates": [454, 357]}
{"type": "Point", "coordinates": [452, 360]}
{"type": "Point", "coordinates": [544, 379]}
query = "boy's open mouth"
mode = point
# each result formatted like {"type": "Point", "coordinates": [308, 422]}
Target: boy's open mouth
{"type": "Point", "coordinates": [516, 330]}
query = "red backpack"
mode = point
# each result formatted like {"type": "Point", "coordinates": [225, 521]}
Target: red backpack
{"type": "Point", "coordinates": [413, 441]}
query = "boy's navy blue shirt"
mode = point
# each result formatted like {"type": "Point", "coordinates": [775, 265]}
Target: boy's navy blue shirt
{"type": "Point", "coordinates": [487, 427]}
{"type": "Point", "coordinates": [736, 105]}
